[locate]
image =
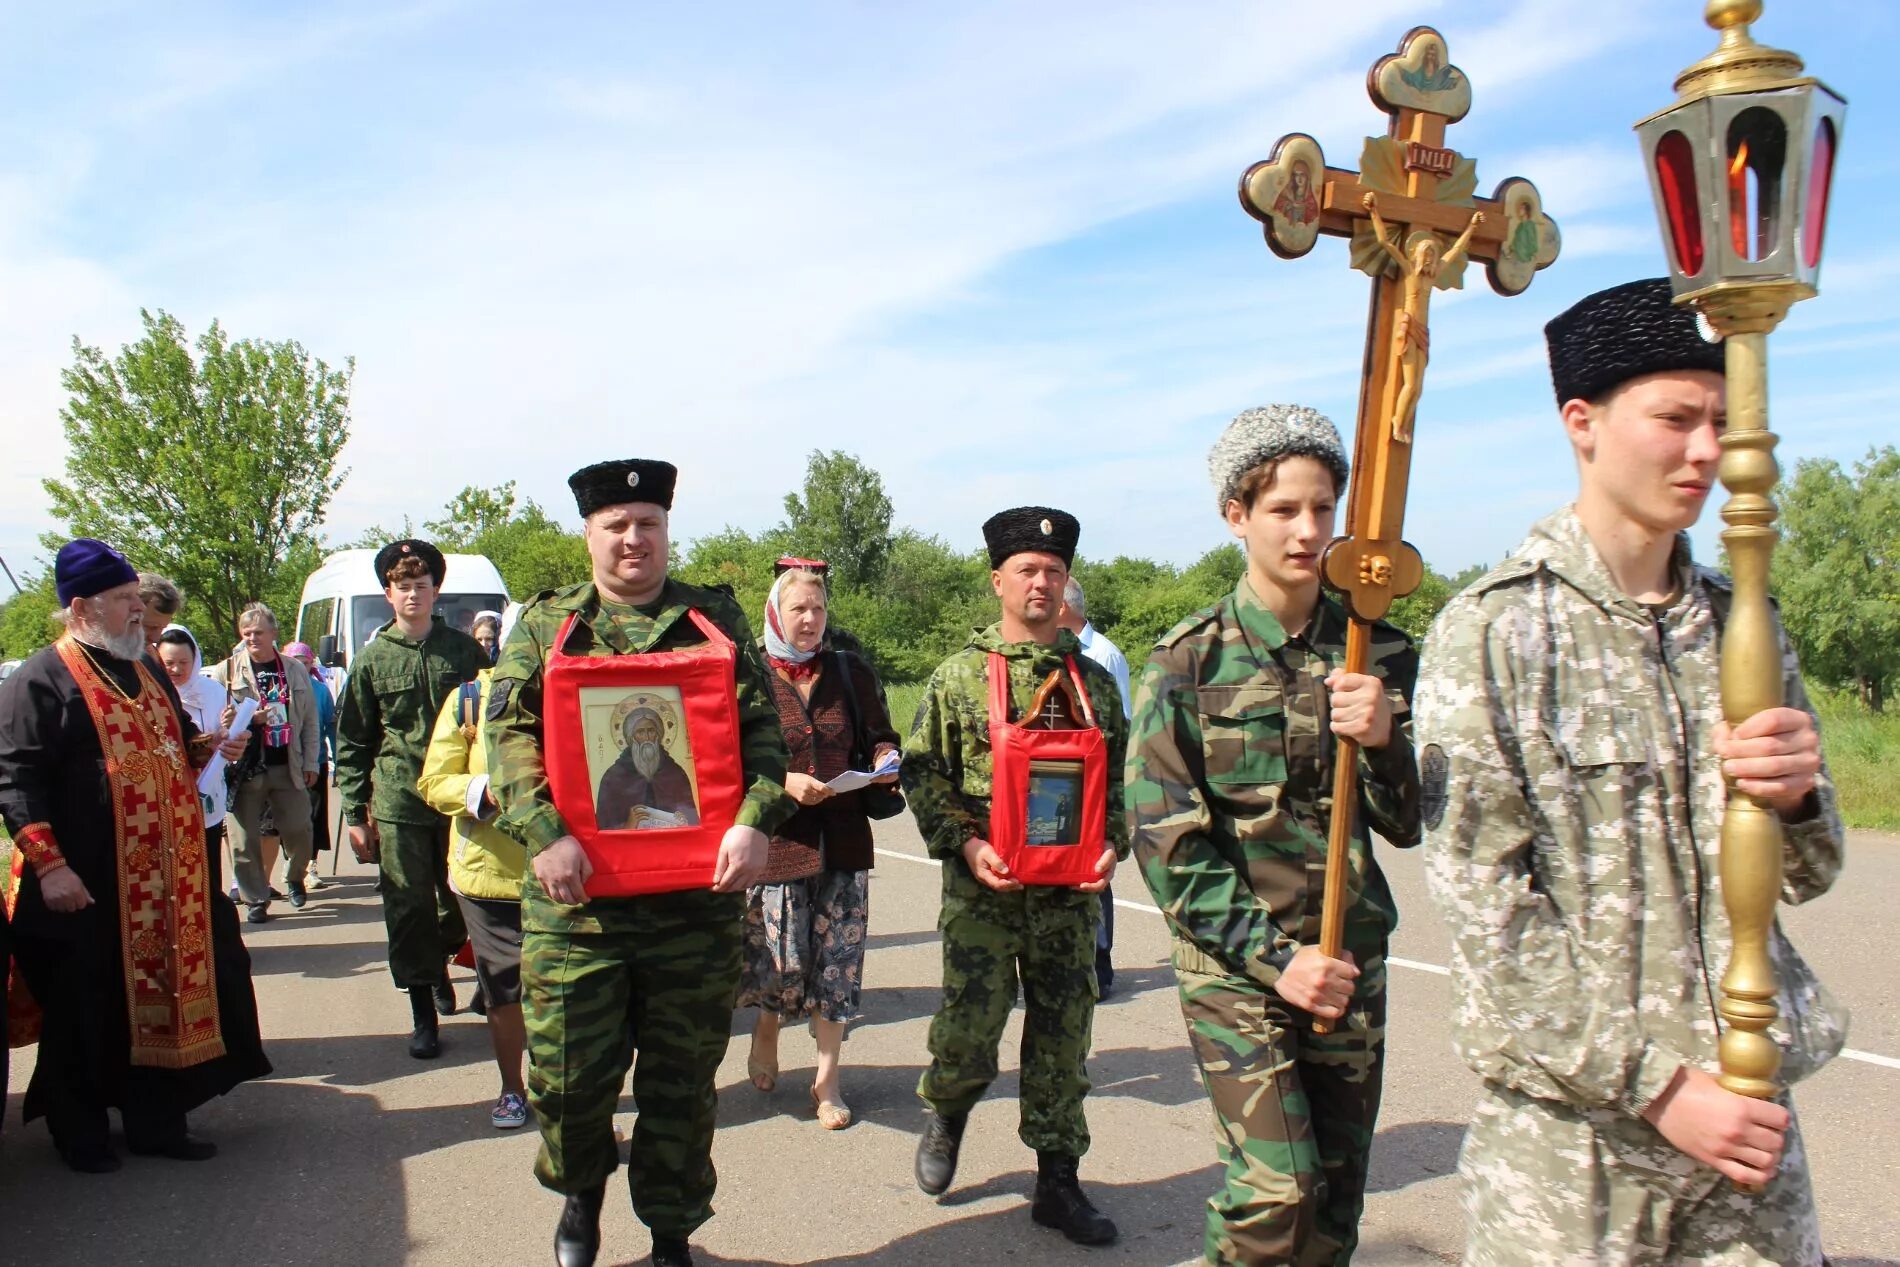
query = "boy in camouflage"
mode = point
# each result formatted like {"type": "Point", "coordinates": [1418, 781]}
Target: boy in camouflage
{"type": "Point", "coordinates": [995, 928]}
{"type": "Point", "coordinates": [395, 689]}
{"type": "Point", "coordinates": [1230, 775]}
{"type": "Point", "coordinates": [603, 978]}
{"type": "Point", "coordinates": [1574, 755]}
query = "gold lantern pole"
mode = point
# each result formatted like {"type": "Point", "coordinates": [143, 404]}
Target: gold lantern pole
{"type": "Point", "coordinates": [1744, 310]}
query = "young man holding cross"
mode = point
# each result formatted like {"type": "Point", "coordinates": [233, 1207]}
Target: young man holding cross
{"type": "Point", "coordinates": [1230, 777]}
{"type": "Point", "coordinates": [1573, 755]}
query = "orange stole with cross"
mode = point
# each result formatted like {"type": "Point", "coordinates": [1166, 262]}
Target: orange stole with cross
{"type": "Point", "coordinates": [164, 898]}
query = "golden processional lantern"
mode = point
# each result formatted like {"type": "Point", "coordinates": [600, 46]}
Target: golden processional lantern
{"type": "Point", "coordinates": [1741, 167]}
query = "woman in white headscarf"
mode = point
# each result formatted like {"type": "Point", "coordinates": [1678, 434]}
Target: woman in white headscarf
{"type": "Point", "coordinates": [805, 927]}
{"type": "Point", "coordinates": [209, 705]}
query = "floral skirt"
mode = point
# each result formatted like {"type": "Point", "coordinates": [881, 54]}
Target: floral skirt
{"type": "Point", "coordinates": [804, 946]}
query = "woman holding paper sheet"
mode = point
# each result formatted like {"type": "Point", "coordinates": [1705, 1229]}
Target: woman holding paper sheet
{"type": "Point", "coordinates": [805, 927]}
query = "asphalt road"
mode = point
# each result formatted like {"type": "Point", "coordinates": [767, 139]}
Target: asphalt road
{"type": "Point", "coordinates": [354, 1153]}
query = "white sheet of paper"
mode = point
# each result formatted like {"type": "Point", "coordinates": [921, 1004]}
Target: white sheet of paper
{"type": "Point", "coordinates": [852, 780]}
{"type": "Point", "coordinates": [214, 768]}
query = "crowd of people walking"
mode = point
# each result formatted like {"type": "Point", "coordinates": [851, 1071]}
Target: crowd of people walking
{"type": "Point", "coordinates": [634, 817]}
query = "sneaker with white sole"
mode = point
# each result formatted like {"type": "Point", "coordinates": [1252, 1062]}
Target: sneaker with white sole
{"type": "Point", "coordinates": [510, 1111]}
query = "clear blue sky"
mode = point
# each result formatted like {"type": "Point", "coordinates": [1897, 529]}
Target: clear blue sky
{"type": "Point", "coordinates": [991, 248]}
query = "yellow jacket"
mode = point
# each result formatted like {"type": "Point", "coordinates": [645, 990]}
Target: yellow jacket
{"type": "Point", "coordinates": [484, 862]}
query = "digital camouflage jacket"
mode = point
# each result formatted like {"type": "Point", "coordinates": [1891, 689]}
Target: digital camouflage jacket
{"type": "Point", "coordinates": [946, 772]}
{"type": "Point", "coordinates": [517, 775]}
{"type": "Point", "coordinates": [383, 722]}
{"type": "Point", "coordinates": [1573, 811]}
{"type": "Point", "coordinates": [1230, 781]}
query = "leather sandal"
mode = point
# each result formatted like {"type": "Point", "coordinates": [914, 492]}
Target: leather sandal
{"type": "Point", "coordinates": [764, 1077]}
{"type": "Point", "coordinates": [831, 1115]}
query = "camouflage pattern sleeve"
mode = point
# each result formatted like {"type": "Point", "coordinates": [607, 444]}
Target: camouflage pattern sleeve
{"type": "Point", "coordinates": [932, 773]}
{"type": "Point", "coordinates": [1518, 969]}
{"type": "Point", "coordinates": [761, 739]}
{"type": "Point", "coordinates": [359, 734]}
{"type": "Point", "coordinates": [517, 776]}
{"type": "Point", "coordinates": [1389, 775]}
{"type": "Point", "coordinates": [1203, 895]}
{"type": "Point", "coordinates": [1813, 841]}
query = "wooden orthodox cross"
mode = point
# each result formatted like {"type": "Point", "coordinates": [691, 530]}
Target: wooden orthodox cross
{"type": "Point", "coordinates": [1413, 221]}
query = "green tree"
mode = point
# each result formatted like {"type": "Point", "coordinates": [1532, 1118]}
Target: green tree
{"type": "Point", "coordinates": [532, 552]}
{"type": "Point", "coordinates": [215, 470]}
{"type": "Point", "coordinates": [26, 619]}
{"type": "Point", "coordinates": [1837, 572]}
{"type": "Point", "coordinates": [1416, 611]}
{"type": "Point", "coordinates": [844, 517]}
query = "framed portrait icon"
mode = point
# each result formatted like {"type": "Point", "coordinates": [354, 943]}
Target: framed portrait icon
{"type": "Point", "coordinates": [642, 756]}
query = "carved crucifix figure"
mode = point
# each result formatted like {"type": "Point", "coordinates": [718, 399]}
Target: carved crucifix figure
{"type": "Point", "coordinates": [1413, 218]}
{"type": "Point", "coordinates": [1411, 336]}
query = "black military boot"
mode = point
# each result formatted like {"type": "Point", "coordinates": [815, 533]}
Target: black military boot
{"type": "Point", "coordinates": [424, 1041]}
{"type": "Point", "coordinates": [445, 995]}
{"type": "Point", "coordinates": [577, 1235]}
{"type": "Point", "coordinates": [1061, 1204]}
{"type": "Point", "coordinates": [936, 1163]}
{"type": "Point", "coordinates": [672, 1251]}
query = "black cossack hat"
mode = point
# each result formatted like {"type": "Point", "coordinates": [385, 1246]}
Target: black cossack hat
{"type": "Point", "coordinates": [1031, 528]}
{"type": "Point", "coordinates": [396, 551]}
{"type": "Point", "coordinates": [1604, 340]}
{"type": "Point", "coordinates": [628, 480]}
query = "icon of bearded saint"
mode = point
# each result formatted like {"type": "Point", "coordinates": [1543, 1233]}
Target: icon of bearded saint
{"type": "Point", "coordinates": [644, 788]}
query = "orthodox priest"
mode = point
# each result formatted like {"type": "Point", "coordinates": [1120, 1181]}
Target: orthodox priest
{"type": "Point", "coordinates": [142, 985]}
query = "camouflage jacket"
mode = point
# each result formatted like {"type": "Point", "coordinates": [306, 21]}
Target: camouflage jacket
{"type": "Point", "coordinates": [383, 722]}
{"type": "Point", "coordinates": [518, 778]}
{"type": "Point", "coordinates": [1230, 778]}
{"type": "Point", "coordinates": [1573, 814]}
{"type": "Point", "coordinates": [946, 773]}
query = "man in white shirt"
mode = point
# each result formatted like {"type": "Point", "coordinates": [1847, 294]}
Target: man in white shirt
{"type": "Point", "coordinates": [1074, 618]}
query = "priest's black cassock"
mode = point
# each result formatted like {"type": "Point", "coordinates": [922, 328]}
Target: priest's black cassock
{"type": "Point", "coordinates": [103, 1039]}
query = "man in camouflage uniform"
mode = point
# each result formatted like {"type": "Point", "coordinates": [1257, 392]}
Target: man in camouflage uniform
{"type": "Point", "coordinates": [1574, 755]}
{"type": "Point", "coordinates": [602, 977]}
{"type": "Point", "coordinates": [1230, 776]}
{"type": "Point", "coordinates": [395, 690]}
{"type": "Point", "coordinates": [994, 928]}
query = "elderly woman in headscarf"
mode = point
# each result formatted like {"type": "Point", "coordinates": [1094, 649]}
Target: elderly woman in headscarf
{"type": "Point", "coordinates": [804, 938]}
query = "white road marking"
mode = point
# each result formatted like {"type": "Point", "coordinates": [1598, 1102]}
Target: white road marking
{"type": "Point", "coordinates": [1436, 969]}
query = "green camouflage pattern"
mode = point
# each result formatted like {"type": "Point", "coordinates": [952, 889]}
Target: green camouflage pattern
{"type": "Point", "coordinates": [1044, 936]}
{"type": "Point", "coordinates": [1573, 809]}
{"type": "Point", "coordinates": [419, 909]}
{"type": "Point", "coordinates": [946, 774]}
{"type": "Point", "coordinates": [1294, 1111]}
{"type": "Point", "coordinates": [647, 982]}
{"type": "Point", "coordinates": [660, 983]}
{"type": "Point", "coordinates": [390, 701]}
{"type": "Point", "coordinates": [1230, 778]}
{"type": "Point", "coordinates": [1047, 937]}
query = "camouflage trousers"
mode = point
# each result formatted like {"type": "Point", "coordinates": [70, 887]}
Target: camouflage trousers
{"type": "Point", "coordinates": [1294, 1111]}
{"type": "Point", "coordinates": [419, 909]}
{"type": "Point", "coordinates": [1548, 1184]}
{"type": "Point", "coordinates": [1045, 937]}
{"type": "Point", "coordinates": [653, 976]}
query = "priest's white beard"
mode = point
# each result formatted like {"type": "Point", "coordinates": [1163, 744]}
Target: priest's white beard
{"type": "Point", "coordinates": [646, 758]}
{"type": "Point", "coordinates": [129, 645]}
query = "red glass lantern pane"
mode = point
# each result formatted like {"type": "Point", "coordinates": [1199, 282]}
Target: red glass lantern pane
{"type": "Point", "coordinates": [1820, 178]}
{"type": "Point", "coordinates": [1675, 176]}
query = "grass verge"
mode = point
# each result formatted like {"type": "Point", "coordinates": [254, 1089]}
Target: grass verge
{"type": "Point", "coordinates": [1863, 755]}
